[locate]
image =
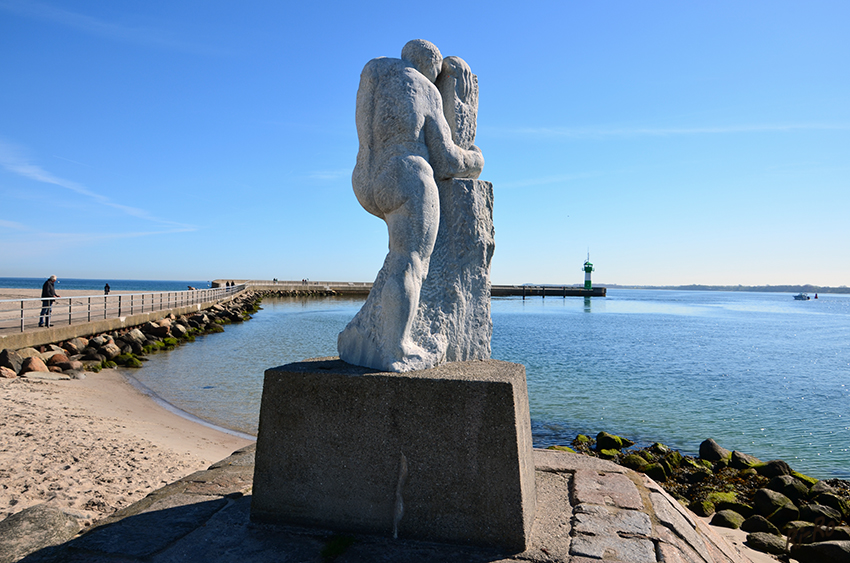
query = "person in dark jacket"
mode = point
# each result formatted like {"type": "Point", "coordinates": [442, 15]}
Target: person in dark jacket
{"type": "Point", "coordinates": [48, 293]}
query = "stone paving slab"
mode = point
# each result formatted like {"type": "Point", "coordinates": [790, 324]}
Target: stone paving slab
{"type": "Point", "coordinates": [623, 517]}
{"type": "Point", "coordinates": [606, 489]}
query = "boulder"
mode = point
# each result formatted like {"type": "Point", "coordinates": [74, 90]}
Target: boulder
{"type": "Point", "coordinates": [711, 451]}
{"type": "Point", "coordinates": [7, 373]}
{"type": "Point", "coordinates": [758, 523]}
{"type": "Point", "coordinates": [109, 351]}
{"type": "Point", "coordinates": [821, 487]}
{"type": "Point", "coordinates": [54, 369]}
{"type": "Point", "coordinates": [11, 359]}
{"type": "Point", "coordinates": [606, 441]}
{"type": "Point", "coordinates": [766, 543]}
{"type": "Point", "coordinates": [743, 461]}
{"type": "Point", "coordinates": [200, 318]}
{"type": "Point", "coordinates": [88, 351]}
{"type": "Point", "coordinates": [179, 330]}
{"type": "Point", "coordinates": [28, 353]}
{"type": "Point", "coordinates": [97, 341]}
{"type": "Point", "coordinates": [634, 461]}
{"type": "Point", "coordinates": [656, 472]}
{"type": "Point", "coordinates": [57, 358]}
{"type": "Point", "coordinates": [45, 356]}
{"type": "Point", "coordinates": [807, 532]}
{"type": "Point", "coordinates": [773, 469]}
{"type": "Point", "coordinates": [776, 507]}
{"type": "Point", "coordinates": [702, 508]}
{"type": "Point", "coordinates": [789, 486]}
{"type": "Point", "coordinates": [75, 345]}
{"type": "Point", "coordinates": [75, 374]}
{"type": "Point", "coordinates": [741, 508]}
{"type": "Point", "coordinates": [839, 533]}
{"type": "Point", "coordinates": [659, 449]}
{"type": "Point", "coordinates": [727, 519]}
{"type": "Point", "coordinates": [835, 501]}
{"type": "Point", "coordinates": [33, 363]}
{"type": "Point", "coordinates": [822, 552]}
{"type": "Point", "coordinates": [134, 335]}
{"type": "Point", "coordinates": [156, 330]}
{"type": "Point", "coordinates": [820, 513]}
{"type": "Point", "coordinates": [33, 529]}
{"type": "Point", "coordinates": [70, 365]}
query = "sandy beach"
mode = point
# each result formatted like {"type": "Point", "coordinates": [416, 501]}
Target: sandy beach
{"type": "Point", "coordinates": [95, 445]}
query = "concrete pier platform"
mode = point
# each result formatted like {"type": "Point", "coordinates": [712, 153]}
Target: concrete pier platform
{"type": "Point", "coordinates": [588, 510]}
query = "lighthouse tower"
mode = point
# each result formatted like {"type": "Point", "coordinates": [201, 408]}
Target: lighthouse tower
{"type": "Point", "coordinates": [588, 267]}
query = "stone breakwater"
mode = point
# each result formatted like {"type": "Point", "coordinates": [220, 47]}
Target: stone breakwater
{"type": "Point", "coordinates": [127, 347]}
{"type": "Point", "coordinates": [784, 512]}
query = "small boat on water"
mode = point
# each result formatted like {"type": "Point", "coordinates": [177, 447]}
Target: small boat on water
{"type": "Point", "coordinates": [802, 297]}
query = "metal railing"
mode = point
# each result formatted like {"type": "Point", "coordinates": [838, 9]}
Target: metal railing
{"type": "Point", "coordinates": [25, 314]}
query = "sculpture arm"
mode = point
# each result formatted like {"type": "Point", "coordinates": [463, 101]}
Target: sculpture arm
{"type": "Point", "coordinates": [446, 158]}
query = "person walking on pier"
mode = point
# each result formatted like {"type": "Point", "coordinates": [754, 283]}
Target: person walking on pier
{"type": "Point", "coordinates": [48, 293]}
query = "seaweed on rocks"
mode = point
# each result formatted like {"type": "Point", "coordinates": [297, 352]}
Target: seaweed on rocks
{"type": "Point", "coordinates": [760, 497]}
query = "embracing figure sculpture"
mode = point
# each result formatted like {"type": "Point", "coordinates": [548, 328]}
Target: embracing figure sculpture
{"type": "Point", "coordinates": [407, 148]}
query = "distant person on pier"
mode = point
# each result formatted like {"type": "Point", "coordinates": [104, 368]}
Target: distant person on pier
{"type": "Point", "coordinates": [106, 289]}
{"type": "Point", "coordinates": [48, 294]}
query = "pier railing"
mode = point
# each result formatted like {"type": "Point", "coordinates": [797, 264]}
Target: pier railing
{"type": "Point", "coordinates": [25, 314]}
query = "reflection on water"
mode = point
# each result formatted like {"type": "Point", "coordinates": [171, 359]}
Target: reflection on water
{"type": "Point", "coordinates": [757, 372]}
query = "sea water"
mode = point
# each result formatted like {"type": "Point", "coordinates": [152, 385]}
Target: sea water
{"type": "Point", "coordinates": [96, 285]}
{"type": "Point", "coordinates": [758, 372]}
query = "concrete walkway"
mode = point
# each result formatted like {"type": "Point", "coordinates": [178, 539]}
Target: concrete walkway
{"type": "Point", "coordinates": [589, 510]}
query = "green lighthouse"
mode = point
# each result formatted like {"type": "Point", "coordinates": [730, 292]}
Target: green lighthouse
{"type": "Point", "coordinates": [588, 267]}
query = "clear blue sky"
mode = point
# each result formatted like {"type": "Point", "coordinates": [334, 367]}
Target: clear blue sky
{"type": "Point", "coordinates": [681, 142]}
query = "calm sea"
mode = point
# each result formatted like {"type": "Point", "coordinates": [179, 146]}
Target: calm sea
{"type": "Point", "coordinates": [758, 372]}
{"type": "Point", "coordinates": [96, 286]}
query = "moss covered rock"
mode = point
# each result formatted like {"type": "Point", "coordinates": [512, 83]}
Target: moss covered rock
{"type": "Point", "coordinates": [609, 453]}
{"type": "Point", "coordinates": [606, 441]}
{"type": "Point", "coordinates": [702, 507]}
{"type": "Point", "coordinates": [727, 519]}
{"type": "Point", "coordinates": [634, 461]}
{"type": "Point", "coordinates": [656, 472]}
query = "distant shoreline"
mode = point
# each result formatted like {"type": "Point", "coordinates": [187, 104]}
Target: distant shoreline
{"type": "Point", "coordinates": [753, 288]}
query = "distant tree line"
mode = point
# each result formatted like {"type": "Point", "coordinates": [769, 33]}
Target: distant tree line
{"type": "Point", "coordinates": [772, 288]}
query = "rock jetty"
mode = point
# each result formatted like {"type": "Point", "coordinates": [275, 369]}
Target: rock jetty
{"type": "Point", "coordinates": [127, 347]}
{"type": "Point", "coordinates": [784, 512]}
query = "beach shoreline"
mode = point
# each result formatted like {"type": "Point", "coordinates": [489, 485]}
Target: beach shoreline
{"type": "Point", "coordinates": [96, 445]}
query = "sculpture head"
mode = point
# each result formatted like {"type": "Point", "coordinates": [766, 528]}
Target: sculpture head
{"type": "Point", "coordinates": [424, 57]}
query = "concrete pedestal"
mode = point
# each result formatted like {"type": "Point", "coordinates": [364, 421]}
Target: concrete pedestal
{"type": "Point", "coordinates": [442, 454]}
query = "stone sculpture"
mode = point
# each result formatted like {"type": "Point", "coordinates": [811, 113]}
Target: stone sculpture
{"type": "Point", "coordinates": [417, 169]}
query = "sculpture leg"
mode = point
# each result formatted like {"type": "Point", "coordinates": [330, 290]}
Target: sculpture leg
{"type": "Point", "coordinates": [380, 336]}
{"type": "Point", "coordinates": [412, 233]}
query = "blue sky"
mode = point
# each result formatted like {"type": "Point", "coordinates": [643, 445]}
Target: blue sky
{"type": "Point", "coordinates": [681, 142]}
